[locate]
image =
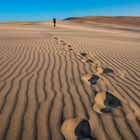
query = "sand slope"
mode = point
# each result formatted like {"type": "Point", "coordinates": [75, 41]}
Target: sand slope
{"type": "Point", "coordinates": [41, 70]}
{"type": "Point", "coordinates": [118, 20]}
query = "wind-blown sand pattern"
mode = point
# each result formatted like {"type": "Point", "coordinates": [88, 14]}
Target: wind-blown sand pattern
{"type": "Point", "coordinates": [41, 85]}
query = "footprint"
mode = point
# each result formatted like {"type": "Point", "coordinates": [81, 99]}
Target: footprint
{"type": "Point", "coordinates": [69, 46]}
{"type": "Point", "coordinates": [91, 79]}
{"type": "Point", "coordinates": [64, 43]}
{"type": "Point", "coordinates": [76, 129]}
{"type": "Point", "coordinates": [71, 49]}
{"type": "Point", "coordinates": [99, 69]}
{"type": "Point", "coordinates": [55, 38]}
{"type": "Point", "coordinates": [83, 54]}
{"type": "Point", "coordinates": [89, 61]}
{"type": "Point", "coordinates": [105, 102]}
{"type": "Point", "coordinates": [84, 60]}
{"type": "Point", "coordinates": [107, 71]}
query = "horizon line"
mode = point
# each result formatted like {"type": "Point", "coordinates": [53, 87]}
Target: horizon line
{"type": "Point", "coordinates": [66, 18]}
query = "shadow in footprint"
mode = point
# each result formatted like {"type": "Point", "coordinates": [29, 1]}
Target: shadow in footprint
{"type": "Point", "coordinates": [92, 79]}
{"type": "Point", "coordinates": [83, 130]}
{"type": "Point", "coordinates": [107, 71]}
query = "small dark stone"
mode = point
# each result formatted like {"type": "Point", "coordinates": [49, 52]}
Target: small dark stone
{"type": "Point", "coordinates": [94, 79]}
{"type": "Point", "coordinates": [107, 70]}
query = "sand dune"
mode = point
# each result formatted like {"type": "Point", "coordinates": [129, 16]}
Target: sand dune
{"type": "Point", "coordinates": [118, 20]}
{"type": "Point", "coordinates": [126, 23]}
{"type": "Point", "coordinates": [46, 77]}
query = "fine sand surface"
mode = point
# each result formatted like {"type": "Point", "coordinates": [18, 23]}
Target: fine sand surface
{"type": "Point", "coordinates": [44, 74]}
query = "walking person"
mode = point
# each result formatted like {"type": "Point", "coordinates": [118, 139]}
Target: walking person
{"type": "Point", "coordinates": [54, 21]}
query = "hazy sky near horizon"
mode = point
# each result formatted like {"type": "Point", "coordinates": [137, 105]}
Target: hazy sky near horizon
{"type": "Point", "coordinates": [11, 10]}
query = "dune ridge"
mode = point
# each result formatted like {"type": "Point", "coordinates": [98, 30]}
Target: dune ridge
{"type": "Point", "coordinates": [118, 20]}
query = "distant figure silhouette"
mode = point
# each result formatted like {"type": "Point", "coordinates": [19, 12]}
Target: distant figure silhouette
{"type": "Point", "coordinates": [54, 21]}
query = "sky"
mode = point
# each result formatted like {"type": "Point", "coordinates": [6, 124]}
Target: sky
{"type": "Point", "coordinates": [40, 10]}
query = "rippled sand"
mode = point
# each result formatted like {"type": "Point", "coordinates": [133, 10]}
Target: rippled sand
{"type": "Point", "coordinates": [41, 80]}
